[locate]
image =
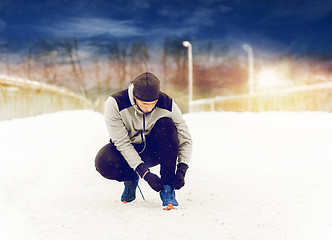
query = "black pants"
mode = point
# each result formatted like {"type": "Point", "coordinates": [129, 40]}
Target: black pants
{"type": "Point", "coordinates": [162, 147]}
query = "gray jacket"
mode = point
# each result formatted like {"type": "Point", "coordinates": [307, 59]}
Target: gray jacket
{"type": "Point", "coordinates": [125, 124]}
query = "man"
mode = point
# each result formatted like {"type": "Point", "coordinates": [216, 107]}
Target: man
{"type": "Point", "coordinates": [146, 128]}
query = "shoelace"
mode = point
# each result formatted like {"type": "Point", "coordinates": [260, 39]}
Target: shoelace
{"type": "Point", "coordinates": [141, 192]}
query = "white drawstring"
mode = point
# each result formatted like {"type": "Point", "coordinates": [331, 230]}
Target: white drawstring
{"type": "Point", "coordinates": [141, 192]}
{"type": "Point", "coordinates": [143, 138]}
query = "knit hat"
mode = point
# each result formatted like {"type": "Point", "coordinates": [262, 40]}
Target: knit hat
{"type": "Point", "coordinates": [146, 87]}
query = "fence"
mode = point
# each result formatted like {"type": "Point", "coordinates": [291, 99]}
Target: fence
{"type": "Point", "coordinates": [316, 97]}
{"type": "Point", "coordinates": [22, 98]}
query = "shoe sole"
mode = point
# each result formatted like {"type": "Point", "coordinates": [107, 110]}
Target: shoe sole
{"type": "Point", "coordinates": [128, 201]}
{"type": "Point", "coordinates": [169, 207]}
{"type": "Point", "coordinates": [124, 201]}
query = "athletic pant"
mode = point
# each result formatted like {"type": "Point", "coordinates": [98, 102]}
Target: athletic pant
{"type": "Point", "coordinates": [162, 147]}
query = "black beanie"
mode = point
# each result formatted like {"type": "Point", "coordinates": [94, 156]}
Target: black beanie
{"type": "Point", "coordinates": [146, 87]}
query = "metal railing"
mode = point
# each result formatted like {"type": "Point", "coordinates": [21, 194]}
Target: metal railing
{"type": "Point", "coordinates": [316, 97]}
{"type": "Point", "coordinates": [23, 98]}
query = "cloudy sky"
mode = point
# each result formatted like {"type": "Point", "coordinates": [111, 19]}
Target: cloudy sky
{"type": "Point", "coordinates": [290, 25]}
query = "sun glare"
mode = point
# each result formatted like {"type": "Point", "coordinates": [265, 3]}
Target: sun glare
{"type": "Point", "coordinates": [268, 79]}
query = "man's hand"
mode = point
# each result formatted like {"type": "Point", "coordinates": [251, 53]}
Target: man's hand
{"type": "Point", "coordinates": [153, 180]}
{"type": "Point", "coordinates": [178, 181]}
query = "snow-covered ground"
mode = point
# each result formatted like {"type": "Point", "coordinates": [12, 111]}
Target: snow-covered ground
{"type": "Point", "coordinates": [253, 176]}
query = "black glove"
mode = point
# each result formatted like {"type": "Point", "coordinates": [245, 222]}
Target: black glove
{"type": "Point", "coordinates": [178, 181]}
{"type": "Point", "coordinates": [153, 180]}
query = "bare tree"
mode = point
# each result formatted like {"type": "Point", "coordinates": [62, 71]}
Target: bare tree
{"type": "Point", "coordinates": [29, 63]}
{"type": "Point", "coordinates": [113, 63]}
{"type": "Point", "coordinates": [71, 47]}
{"type": "Point", "coordinates": [118, 56]}
{"type": "Point", "coordinates": [178, 56]}
{"type": "Point", "coordinates": [139, 57]}
{"type": "Point", "coordinates": [165, 57]}
{"type": "Point", "coordinates": [4, 55]}
{"type": "Point", "coordinates": [123, 64]}
{"type": "Point", "coordinates": [78, 61]}
{"type": "Point", "coordinates": [46, 55]}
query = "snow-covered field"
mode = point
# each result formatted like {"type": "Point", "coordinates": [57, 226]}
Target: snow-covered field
{"type": "Point", "coordinates": [253, 176]}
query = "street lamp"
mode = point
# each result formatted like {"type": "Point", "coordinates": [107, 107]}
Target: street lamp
{"type": "Point", "coordinates": [250, 52]}
{"type": "Point", "coordinates": [248, 49]}
{"type": "Point", "coordinates": [190, 72]}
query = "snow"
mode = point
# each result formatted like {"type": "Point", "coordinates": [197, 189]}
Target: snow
{"type": "Point", "coordinates": [253, 176]}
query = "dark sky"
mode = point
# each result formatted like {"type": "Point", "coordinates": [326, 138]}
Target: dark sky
{"type": "Point", "coordinates": [293, 26]}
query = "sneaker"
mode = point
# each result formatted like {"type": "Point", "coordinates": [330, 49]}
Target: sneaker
{"type": "Point", "coordinates": [167, 196]}
{"type": "Point", "coordinates": [129, 192]}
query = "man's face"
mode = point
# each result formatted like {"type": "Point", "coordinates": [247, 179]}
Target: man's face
{"type": "Point", "coordinates": [146, 107]}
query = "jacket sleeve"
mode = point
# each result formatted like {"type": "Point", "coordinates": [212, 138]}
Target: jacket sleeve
{"type": "Point", "coordinates": [185, 150]}
{"type": "Point", "coordinates": [119, 134]}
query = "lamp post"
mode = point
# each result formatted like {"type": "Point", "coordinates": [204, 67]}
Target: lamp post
{"type": "Point", "coordinates": [248, 49]}
{"type": "Point", "coordinates": [190, 72]}
{"type": "Point", "coordinates": [250, 52]}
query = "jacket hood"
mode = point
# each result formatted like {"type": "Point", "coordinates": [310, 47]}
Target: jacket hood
{"type": "Point", "coordinates": [131, 94]}
{"type": "Point", "coordinates": [132, 100]}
